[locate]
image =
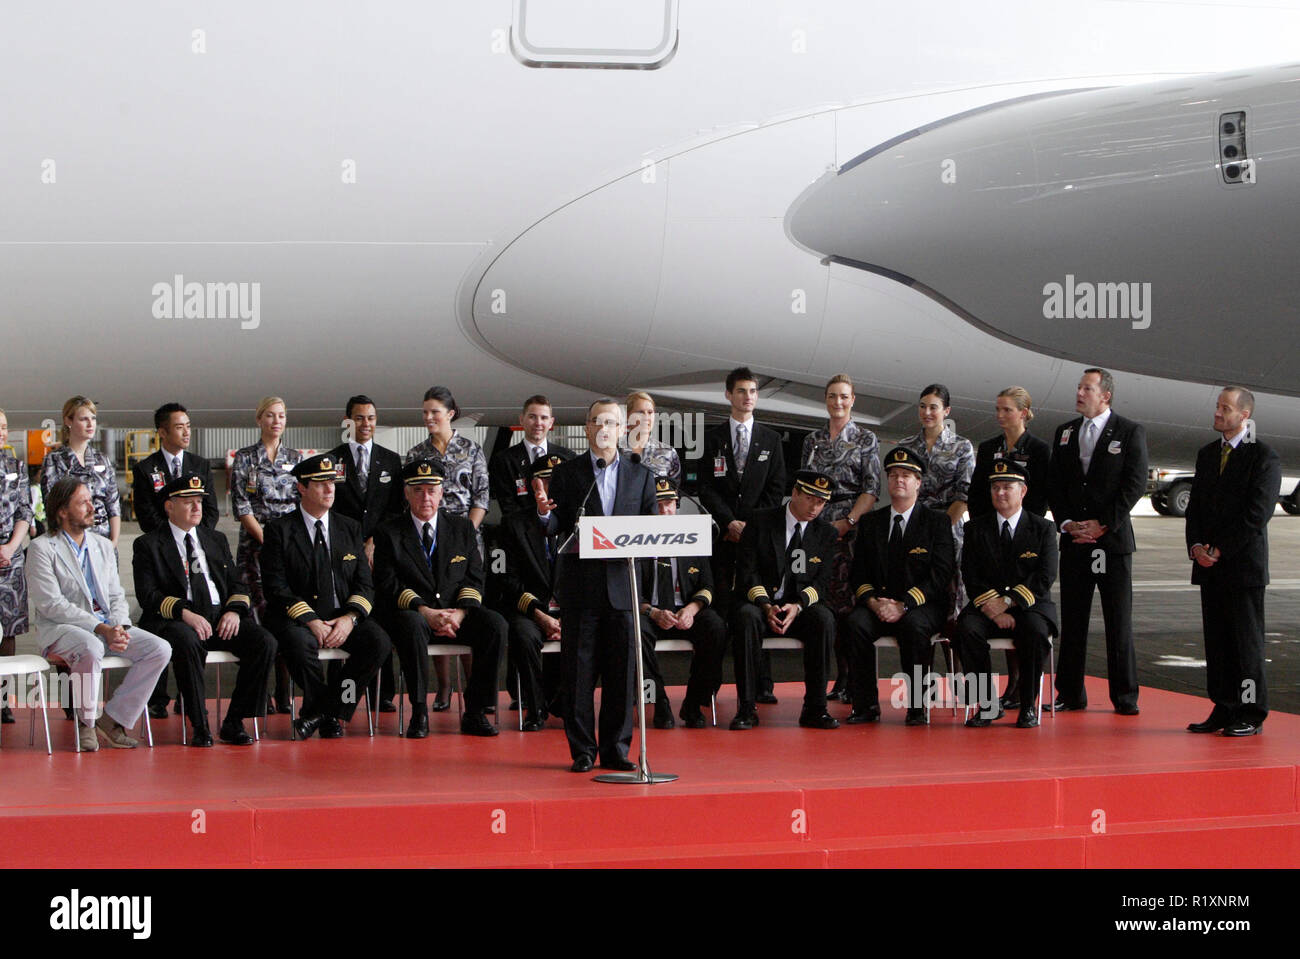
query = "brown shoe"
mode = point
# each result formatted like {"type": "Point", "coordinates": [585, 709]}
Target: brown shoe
{"type": "Point", "coordinates": [112, 733]}
{"type": "Point", "coordinates": [87, 738]}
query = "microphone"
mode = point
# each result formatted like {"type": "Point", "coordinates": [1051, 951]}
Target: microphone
{"type": "Point", "coordinates": [582, 509]}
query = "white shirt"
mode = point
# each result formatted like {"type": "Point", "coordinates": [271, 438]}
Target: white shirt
{"type": "Point", "coordinates": [1099, 424]}
{"type": "Point", "coordinates": [535, 451]}
{"type": "Point", "coordinates": [791, 523]}
{"type": "Point", "coordinates": [907, 516]}
{"type": "Point", "coordinates": [200, 560]}
{"type": "Point", "coordinates": [368, 446]}
{"type": "Point", "coordinates": [419, 529]}
{"type": "Point", "coordinates": [1013, 520]}
{"type": "Point", "coordinates": [734, 423]}
{"type": "Point", "coordinates": [311, 526]}
{"type": "Point", "coordinates": [174, 463]}
{"type": "Point", "coordinates": [1236, 440]}
{"type": "Point", "coordinates": [606, 482]}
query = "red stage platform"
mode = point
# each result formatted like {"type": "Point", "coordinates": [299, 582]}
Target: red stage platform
{"type": "Point", "coordinates": [1084, 790]}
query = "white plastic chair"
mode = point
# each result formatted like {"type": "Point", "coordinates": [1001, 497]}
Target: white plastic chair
{"type": "Point", "coordinates": [215, 657]}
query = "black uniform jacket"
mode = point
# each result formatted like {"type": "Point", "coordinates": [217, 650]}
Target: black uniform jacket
{"type": "Point", "coordinates": [1116, 480]}
{"type": "Point", "coordinates": [509, 469]}
{"type": "Point", "coordinates": [161, 578]}
{"type": "Point", "coordinates": [730, 496]}
{"type": "Point", "coordinates": [761, 560]}
{"type": "Point", "coordinates": [931, 559]}
{"type": "Point", "coordinates": [150, 475]}
{"type": "Point", "coordinates": [288, 577]}
{"type": "Point", "coordinates": [403, 578]}
{"type": "Point", "coordinates": [383, 496]}
{"type": "Point", "coordinates": [1231, 511]}
{"type": "Point", "coordinates": [1029, 582]}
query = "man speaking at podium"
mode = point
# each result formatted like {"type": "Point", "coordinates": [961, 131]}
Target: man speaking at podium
{"type": "Point", "coordinates": [595, 596]}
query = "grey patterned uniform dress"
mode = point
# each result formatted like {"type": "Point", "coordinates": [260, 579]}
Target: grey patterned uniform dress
{"type": "Point", "coordinates": [265, 490]}
{"type": "Point", "coordinates": [949, 467]}
{"type": "Point", "coordinates": [852, 460]}
{"type": "Point", "coordinates": [465, 485]}
{"type": "Point", "coordinates": [662, 460]}
{"type": "Point", "coordinates": [97, 473]}
{"type": "Point", "coordinates": [15, 507]}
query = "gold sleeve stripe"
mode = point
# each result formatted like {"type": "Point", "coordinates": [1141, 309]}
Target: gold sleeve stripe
{"type": "Point", "coordinates": [237, 598]}
{"type": "Point", "coordinates": [168, 607]}
{"type": "Point", "coordinates": [917, 595]}
{"type": "Point", "coordinates": [755, 592]}
{"type": "Point", "coordinates": [864, 588]}
{"type": "Point", "coordinates": [299, 609]}
{"type": "Point", "coordinates": [703, 594]}
{"type": "Point", "coordinates": [810, 593]}
{"type": "Point", "coordinates": [1024, 593]}
{"type": "Point", "coordinates": [359, 601]}
{"type": "Point", "coordinates": [984, 597]}
{"type": "Point", "coordinates": [526, 603]}
{"type": "Point", "coordinates": [407, 597]}
{"type": "Point", "coordinates": [468, 592]}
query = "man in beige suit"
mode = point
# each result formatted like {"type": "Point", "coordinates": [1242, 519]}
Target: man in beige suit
{"type": "Point", "coordinates": [80, 615]}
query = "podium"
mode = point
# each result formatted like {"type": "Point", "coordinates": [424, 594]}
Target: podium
{"type": "Point", "coordinates": [630, 538]}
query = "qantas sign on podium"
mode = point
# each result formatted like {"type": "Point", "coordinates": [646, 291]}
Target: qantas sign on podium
{"type": "Point", "coordinates": [630, 537]}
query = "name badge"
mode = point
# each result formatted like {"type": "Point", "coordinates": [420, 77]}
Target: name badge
{"type": "Point", "coordinates": [762, 457]}
{"type": "Point", "coordinates": [11, 476]}
{"type": "Point", "coordinates": [385, 478]}
{"type": "Point", "coordinates": [1114, 447]}
{"type": "Point", "coordinates": [99, 467]}
{"type": "Point", "coordinates": [520, 488]}
{"type": "Point", "coordinates": [997, 456]}
{"type": "Point", "coordinates": [157, 481]}
{"type": "Point", "coordinates": [1065, 436]}
{"type": "Point", "coordinates": [286, 466]}
{"type": "Point", "coordinates": [719, 466]}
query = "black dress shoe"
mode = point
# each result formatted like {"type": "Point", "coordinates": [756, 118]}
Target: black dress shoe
{"type": "Point", "coordinates": [1243, 728]}
{"type": "Point", "coordinates": [490, 710]}
{"type": "Point", "coordinates": [1213, 724]}
{"type": "Point", "coordinates": [1127, 710]}
{"type": "Point", "coordinates": [176, 706]}
{"type": "Point", "coordinates": [158, 712]}
{"type": "Point", "coordinates": [868, 714]}
{"type": "Point", "coordinates": [201, 738]}
{"type": "Point", "coordinates": [6, 716]}
{"type": "Point", "coordinates": [386, 706]}
{"type": "Point", "coordinates": [746, 718]}
{"type": "Point", "coordinates": [68, 713]}
{"type": "Point", "coordinates": [1010, 700]}
{"type": "Point", "coordinates": [476, 724]}
{"type": "Point", "coordinates": [280, 705]}
{"type": "Point", "coordinates": [305, 727]}
{"type": "Point", "coordinates": [330, 728]}
{"type": "Point", "coordinates": [822, 720]}
{"type": "Point", "coordinates": [980, 719]}
{"type": "Point", "coordinates": [916, 717]}
{"type": "Point", "coordinates": [418, 727]}
{"type": "Point", "coordinates": [1065, 706]}
{"type": "Point", "coordinates": [617, 764]}
{"type": "Point", "coordinates": [664, 717]}
{"type": "Point", "coordinates": [535, 720]}
{"type": "Point", "coordinates": [441, 705]}
{"type": "Point", "coordinates": [514, 705]}
{"type": "Point", "coordinates": [692, 718]}
{"type": "Point", "coordinates": [233, 734]}
{"type": "Point", "coordinates": [766, 699]}
{"type": "Point", "coordinates": [839, 692]}
{"type": "Point", "coordinates": [1028, 718]}
{"type": "Point", "coordinates": [582, 764]}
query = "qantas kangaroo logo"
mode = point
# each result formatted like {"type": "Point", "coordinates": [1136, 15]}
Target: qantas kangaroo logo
{"type": "Point", "coordinates": [599, 541]}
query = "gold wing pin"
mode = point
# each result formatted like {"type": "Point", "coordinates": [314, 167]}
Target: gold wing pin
{"type": "Point", "coordinates": [348, 556]}
{"type": "Point", "coordinates": [917, 549]}
{"type": "Point", "coordinates": [458, 559]}
{"type": "Point", "coordinates": [1029, 554]}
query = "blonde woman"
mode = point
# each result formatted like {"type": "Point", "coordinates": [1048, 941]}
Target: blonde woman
{"type": "Point", "coordinates": [659, 458]}
{"type": "Point", "coordinates": [15, 518]}
{"type": "Point", "coordinates": [262, 488]}
{"type": "Point", "coordinates": [77, 458]}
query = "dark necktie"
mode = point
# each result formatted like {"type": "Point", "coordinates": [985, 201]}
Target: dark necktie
{"type": "Point", "coordinates": [1008, 561]}
{"type": "Point", "coordinates": [200, 598]}
{"type": "Point", "coordinates": [427, 542]}
{"type": "Point", "coordinates": [666, 598]}
{"type": "Point", "coordinates": [895, 576]}
{"type": "Point", "coordinates": [788, 585]}
{"type": "Point", "coordinates": [324, 575]}
{"type": "Point", "coordinates": [176, 468]}
{"type": "Point", "coordinates": [1223, 457]}
{"type": "Point", "coordinates": [361, 467]}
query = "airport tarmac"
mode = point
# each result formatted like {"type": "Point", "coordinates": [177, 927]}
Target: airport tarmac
{"type": "Point", "coordinates": [1166, 614]}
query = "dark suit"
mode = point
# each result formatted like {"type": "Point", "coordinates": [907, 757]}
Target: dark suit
{"type": "Point", "coordinates": [707, 635]}
{"type": "Point", "coordinates": [527, 585]}
{"type": "Point", "coordinates": [288, 579]}
{"type": "Point", "coordinates": [596, 599]}
{"type": "Point", "coordinates": [763, 569]}
{"type": "Point", "coordinates": [405, 581]}
{"type": "Point", "coordinates": [150, 475]}
{"type": "Point", "coordinates": [1230, 512]}
{"type": "Point", "coordinates": [1025, 576]}
{"type": "Point", "coordinates": [508, 476]}
{"type": "Point", "coordinates": [161, 583]}
{"type": "Point", "coordinates": [921, 583]}
{"type": "Point", "coordinates": [1031, 454]}
{"type": "Point", "coordinates": [1115, 481]}
{"type": "Point", "coordinates": [382, 498]}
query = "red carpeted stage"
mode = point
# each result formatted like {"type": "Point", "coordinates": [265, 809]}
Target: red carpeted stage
{"type": "Point", "coordinates": [1084, 790]}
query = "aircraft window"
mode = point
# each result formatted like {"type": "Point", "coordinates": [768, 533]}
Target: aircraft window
{"type": "Point", "coordinates": [629, 35]}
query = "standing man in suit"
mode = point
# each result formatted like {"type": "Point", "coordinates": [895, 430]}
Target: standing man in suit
{"type": "Point", "coordinates": [1237, 483]}
{"type": "Point", "coordinates": [743, 471]}
{"type": "Point", "coordinates": [596, 595]}
{"type": "Point", "coordinates": [676, 601]}
{"type": "Point", "coordinates": [370, 492]}
{"type": "Point", "coordinates": [903, 564]}
{"type": "Point", "coordinates": [429, 580]}
{"type": "Point", "coordinates": [508, 476]}
{"type": "Point", "coordinates": [80, 614]}
{"type": "Point", "coordinates": [150, 476]}
{"type": "Point", "coordinates": [191, 595]}
{"type": "Point", "coordinates": [319, 594]}
{"type": "Point", "coordinates": [1098, 471]}
{"type": "Point", "coordinates": [1008, 564]}
{"type": "Point", "coordinates": [784, 569]}
{"type": "Point", "coordinates": [528, 594]}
